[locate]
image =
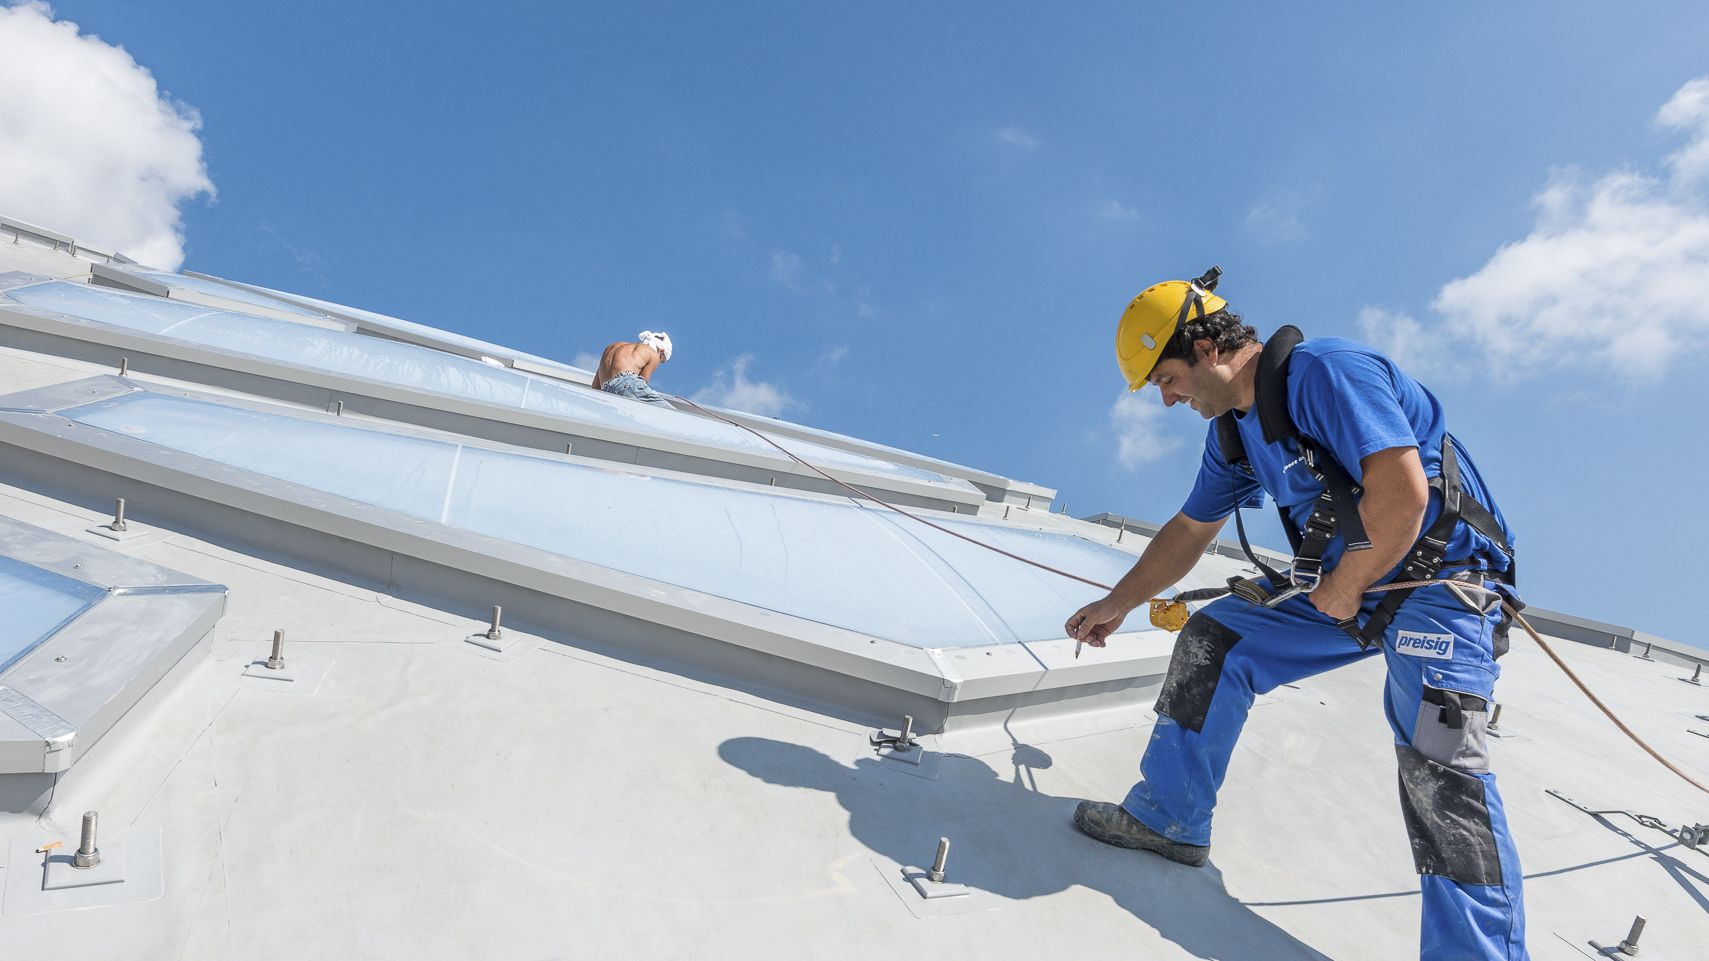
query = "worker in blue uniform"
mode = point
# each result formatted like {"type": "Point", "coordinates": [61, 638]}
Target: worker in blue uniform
{"type": "Point", "coordinates": [1357, 457]}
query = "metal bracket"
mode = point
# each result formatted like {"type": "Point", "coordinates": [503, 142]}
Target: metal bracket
{"type": "Point", "coordinates": [301, 675]}
{"type": "Point", "coordinates": [903, 743]}
{"type": "Point", "coordinates": [37, 881]}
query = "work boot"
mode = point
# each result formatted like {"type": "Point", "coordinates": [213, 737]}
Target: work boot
{"type": "Point", "coordinates": [1111, 824]}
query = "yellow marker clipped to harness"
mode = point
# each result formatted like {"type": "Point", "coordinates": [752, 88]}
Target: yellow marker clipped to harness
{"type": "Point", "coordinates": [1168, 615]}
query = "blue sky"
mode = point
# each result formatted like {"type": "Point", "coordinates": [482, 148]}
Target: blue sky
{"type": "Point", "coordinates": [918, 223]}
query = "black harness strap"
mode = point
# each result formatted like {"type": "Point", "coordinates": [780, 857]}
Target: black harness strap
{"type": "Point", "coordinates": [1234, 452]}
{"type": "Point", "coordinates": [1425, 561]}
{"type": "Point", "coordinates": [1337, 508]}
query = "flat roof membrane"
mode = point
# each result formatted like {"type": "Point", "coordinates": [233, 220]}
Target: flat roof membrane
{"type": "Point", "coordinates": [838, 562]}
{"type": "Point", "coordinates": [37, 604]}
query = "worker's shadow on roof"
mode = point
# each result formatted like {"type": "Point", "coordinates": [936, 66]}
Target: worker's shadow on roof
{"type": "Point", "coordinates": [1015, 842]}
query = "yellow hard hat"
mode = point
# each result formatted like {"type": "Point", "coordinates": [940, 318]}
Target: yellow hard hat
{"type": "Point", "coordinates": [1155, 316]}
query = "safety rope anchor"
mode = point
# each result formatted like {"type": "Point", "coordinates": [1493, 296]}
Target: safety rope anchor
{"type": "Point", "coordinates": [904, 741]}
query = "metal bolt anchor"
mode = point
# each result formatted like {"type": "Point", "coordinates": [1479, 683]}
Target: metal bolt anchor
{"type": "Point", "coordinates": [1494, 717]}
{"type": "Point", "coordinates": [124, 366]}
{"type": "Point", "coordinates": [88, 855]}
{"type": "Point", "coordinates": [276, 660]}
{"type": "Point", "coordinates": [1697, 675]}
{"type": "Point", "coordinates": [338, 408]}
{"type": "Point", "coordinates": [936, 874]}
{"type": "Point", "coordinates": [495, 632]}
{"type": "Point", "coordinates": [118, 525]}
{"type": "Point", "coordinates": [901, 743]}
{"type": "Point", "coordinates": [1627, 947]}
{"type": "Point", "coordinates": [1121, 531]}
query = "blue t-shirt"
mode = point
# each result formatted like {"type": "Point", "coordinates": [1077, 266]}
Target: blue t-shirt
{"type": "Point", "coordinates": [1353, 402]}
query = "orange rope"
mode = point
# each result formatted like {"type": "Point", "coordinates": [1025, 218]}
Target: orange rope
{"type": "Point", "coordinates": [1603, 707]}
{"type": "Point", "coordinates": [1400, 585]}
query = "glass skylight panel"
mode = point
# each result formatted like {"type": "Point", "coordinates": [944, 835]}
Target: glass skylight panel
{"type": "Point", "coordinates": [37, 603]}
{"type": "Point", "coordinates": [151, 315]}
{"type": "Point", "coordinates": [837, 562]}
{"type": "Point", "coordinates": [421, 368]}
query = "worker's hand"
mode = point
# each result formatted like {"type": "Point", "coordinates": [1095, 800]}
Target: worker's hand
{"type": "Point", "coordinates": [1336, 604]}
{"type": "Point", "coordinates": [1097, 621]}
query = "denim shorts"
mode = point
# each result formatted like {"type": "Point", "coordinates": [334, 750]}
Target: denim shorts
{"type": "Point", "coordinates": [635, 387]}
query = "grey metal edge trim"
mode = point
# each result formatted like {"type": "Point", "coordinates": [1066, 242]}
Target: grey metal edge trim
{"type": "Point", "coordinates": [107, 275]}
{"type": "Point", "coordinates": [39, 233]}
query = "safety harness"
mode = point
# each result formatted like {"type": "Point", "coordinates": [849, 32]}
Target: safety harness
{"type": "Point", "coordinates": [1336, 510]}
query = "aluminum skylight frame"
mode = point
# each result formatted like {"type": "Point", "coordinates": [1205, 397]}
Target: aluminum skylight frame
{"type": "Point", "coordinates": [61, 697]}
{"type": "Point", "coordinates": [323, 388]}
{"type": "Point", "coordinates": [625, 614]}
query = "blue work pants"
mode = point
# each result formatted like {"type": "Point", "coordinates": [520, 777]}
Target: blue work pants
{"type": "Point", "coordinates": [1441, 675]}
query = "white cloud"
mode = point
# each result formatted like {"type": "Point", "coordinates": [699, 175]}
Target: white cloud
{"type": "Point", "coordinates": [832, 356]}
{"type": "Point", "coordinates": [1136, 422]}
{"type": "Point", "coordinates": [586, 361]}
{"type": "Point", "coordinates": [731, 388]}
{"type": "Point", "coordinates": [1016, 137]}
{"type": "Point", "coordinates": [1614, 276]}
{"type": "Point", "coordinates": [1278, 221]}
{"type": "Point", "coordinates": [88, 144]}
{"type": "Point", "coordinates": [1688, 111]}
{"type": "Point", "coordinates": [1403, 338]}
{"type": "Point", "coordinates": [1116, 210]}
{"type": "Point", "coordinates": [786, 270]}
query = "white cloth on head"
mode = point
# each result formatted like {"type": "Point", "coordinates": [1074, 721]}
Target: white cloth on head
{"type": "Point", "coordinates": [660, 340]}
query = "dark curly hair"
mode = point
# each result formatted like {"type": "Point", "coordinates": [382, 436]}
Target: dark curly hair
{"type": "Point", "coordinates": [1224, 328]}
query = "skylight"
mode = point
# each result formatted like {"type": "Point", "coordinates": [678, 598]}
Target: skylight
{"type": "Point", "coordinates": [423, 369]}
{"type": "Point", "coordinates": [37, 603]}
{"type": "Point", "coordinates": [823, 559]}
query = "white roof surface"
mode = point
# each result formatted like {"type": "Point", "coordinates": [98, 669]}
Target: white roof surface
{"type": "Point", "coordinates": [417, 796]}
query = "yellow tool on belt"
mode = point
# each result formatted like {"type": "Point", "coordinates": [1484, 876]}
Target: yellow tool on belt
{"type": "Point", "coordinates": [1171, 616]}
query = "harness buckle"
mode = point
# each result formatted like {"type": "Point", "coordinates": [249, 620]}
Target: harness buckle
{"type": "Point", "coordinates": [1306, 574]}
{"type": "Point", "coordinates": [1321, 523]}
{"type": "Point", "coordinates": [1425, 559]}
{"type": "Point", "coordinates": [1303, 578]}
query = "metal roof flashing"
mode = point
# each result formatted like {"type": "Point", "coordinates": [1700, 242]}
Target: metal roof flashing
{"type": "Point", "coordinates": [73, 686]}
